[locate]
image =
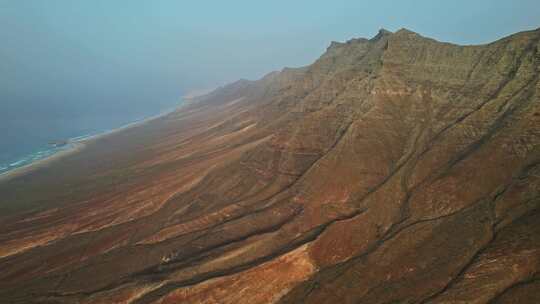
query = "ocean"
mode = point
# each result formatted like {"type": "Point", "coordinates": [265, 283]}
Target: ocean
{"type": "Point", "coordinates": [25, 142]}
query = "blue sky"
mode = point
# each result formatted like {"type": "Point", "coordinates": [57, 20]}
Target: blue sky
{"type": "Point", "coordinates": [180, 45]}
{"type": "Point", "coordinates": [66, 59]}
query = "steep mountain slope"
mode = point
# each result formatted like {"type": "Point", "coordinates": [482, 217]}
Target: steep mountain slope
{"type": "Point", "coordinates": [397, 169]}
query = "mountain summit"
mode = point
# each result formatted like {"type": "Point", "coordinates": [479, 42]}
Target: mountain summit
{"type": "Point", "coordinates": [396, 169]}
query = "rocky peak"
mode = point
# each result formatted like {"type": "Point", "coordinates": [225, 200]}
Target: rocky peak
{"type": "Point", "coordinates": [382, 33]}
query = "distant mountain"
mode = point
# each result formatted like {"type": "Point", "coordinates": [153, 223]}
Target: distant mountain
{"type": "Point", "coordinates": [396, 169]}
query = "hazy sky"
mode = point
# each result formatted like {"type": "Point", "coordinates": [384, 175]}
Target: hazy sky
{"type": "Point", "coordinates": [66, 60]}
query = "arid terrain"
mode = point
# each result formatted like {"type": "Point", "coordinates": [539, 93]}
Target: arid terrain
{"type": "Point", "coordinates": [396, 169]}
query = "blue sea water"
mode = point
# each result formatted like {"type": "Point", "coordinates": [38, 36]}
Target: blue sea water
{"type": "Point", "coordinates": [22, 144]}
{"type": "Point", "coordinates": [28, 159]}
{"type": "Point", "coordinates": [40, 154]}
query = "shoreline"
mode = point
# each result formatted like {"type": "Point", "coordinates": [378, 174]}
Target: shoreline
{"type": "Point", "coordinates": [40, 163]}
{"type": "Point", "coordinates": [76, 146]}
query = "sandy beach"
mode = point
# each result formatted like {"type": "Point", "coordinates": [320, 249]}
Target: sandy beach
{"type": "Point", "coordinates": [75, 147]}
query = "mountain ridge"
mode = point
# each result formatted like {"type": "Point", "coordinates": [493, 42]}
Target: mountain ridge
{"type": "Point", "coordinates": [396, 169]}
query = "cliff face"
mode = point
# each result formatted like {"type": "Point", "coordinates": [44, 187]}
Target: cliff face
{"type": "Point", "coordinates": [397, 169]}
